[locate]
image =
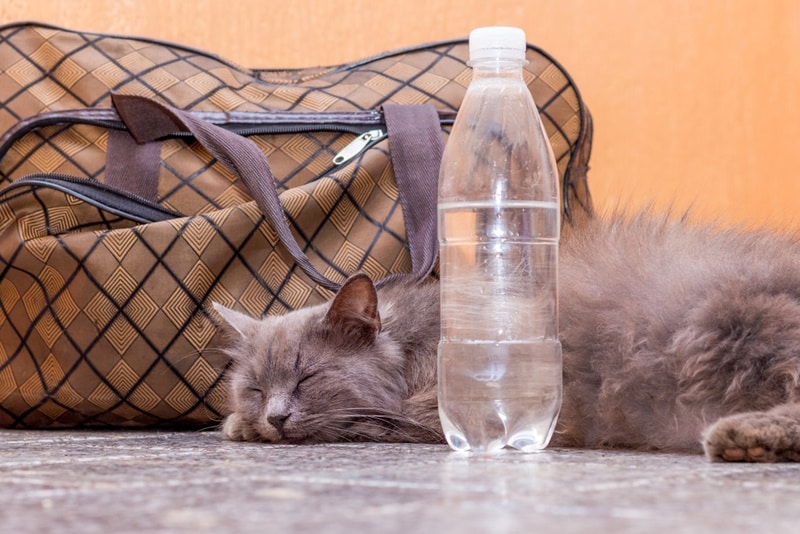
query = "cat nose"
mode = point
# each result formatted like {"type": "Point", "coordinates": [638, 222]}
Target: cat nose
{"type": "Point", "coordinates": [277, 421]}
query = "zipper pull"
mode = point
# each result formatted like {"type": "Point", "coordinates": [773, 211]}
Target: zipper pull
{"type": "Point", "coordinates": [358, 145]}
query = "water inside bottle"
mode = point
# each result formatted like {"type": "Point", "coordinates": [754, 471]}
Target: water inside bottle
{"type": "Point", "coordinates": [499, 355]}
{"type": "Point", "coordinates": [498, 270]}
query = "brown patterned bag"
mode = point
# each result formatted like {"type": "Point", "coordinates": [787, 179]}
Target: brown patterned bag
{"type": "Point", "coordinates": [135, 191]}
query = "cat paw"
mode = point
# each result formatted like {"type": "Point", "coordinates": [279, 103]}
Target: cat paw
{"type": "Point", "coordinates": [753, 437]}
{"type": "Point", "coordinates": [234, 429]}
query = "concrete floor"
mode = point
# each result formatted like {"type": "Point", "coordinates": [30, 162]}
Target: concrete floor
{"type": "Point", "coordinates": [196, 482]}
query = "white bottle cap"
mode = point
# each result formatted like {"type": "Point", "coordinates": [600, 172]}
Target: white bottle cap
{"type": "Point", "coordinates": [497, 42]}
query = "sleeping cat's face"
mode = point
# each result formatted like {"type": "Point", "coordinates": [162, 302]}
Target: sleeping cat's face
{"type": "Point", "coordinates": [325, 373]}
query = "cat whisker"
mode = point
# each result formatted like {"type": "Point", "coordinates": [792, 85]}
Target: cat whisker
{"type": "Point", "coordinates": [399, 427]}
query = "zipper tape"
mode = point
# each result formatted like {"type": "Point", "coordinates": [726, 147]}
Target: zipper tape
{"type": "Point", "coordinates": [110, 199]}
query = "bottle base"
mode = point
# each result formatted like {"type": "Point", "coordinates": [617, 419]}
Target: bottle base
{"type": "Point", "coordinates": [499, 395]}
{"type": "Point", "coordinates": [528, 441]}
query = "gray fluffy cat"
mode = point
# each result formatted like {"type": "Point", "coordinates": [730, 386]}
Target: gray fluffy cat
{"type": "Point", "coordinates": [676, 337]}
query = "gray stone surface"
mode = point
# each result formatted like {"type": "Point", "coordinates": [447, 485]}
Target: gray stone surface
{"type": "Point", "coordinates": [196, 482]}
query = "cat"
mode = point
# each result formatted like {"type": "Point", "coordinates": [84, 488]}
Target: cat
{"type": "Point", "coordinates": [676, 337]}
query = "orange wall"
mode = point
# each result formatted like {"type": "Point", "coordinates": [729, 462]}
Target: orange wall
{"type": "Point", "coordinates": [695, 102]}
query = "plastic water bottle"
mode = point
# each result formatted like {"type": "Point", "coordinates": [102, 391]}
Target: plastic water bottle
{"type": "Point", "coordinates": [499, 223]}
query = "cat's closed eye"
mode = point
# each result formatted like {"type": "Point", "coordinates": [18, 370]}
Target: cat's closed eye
{"type": "Point", "coordinates": [304, 379]}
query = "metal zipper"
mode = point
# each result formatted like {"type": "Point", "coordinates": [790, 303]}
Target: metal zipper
{"type": "Point", "coordinates": [358, 145]}
{"type": "Point", "coordinates": [241, 123]}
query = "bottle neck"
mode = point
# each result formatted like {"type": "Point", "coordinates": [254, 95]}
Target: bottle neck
{"type": "Point", "coordinates": [497, 67]}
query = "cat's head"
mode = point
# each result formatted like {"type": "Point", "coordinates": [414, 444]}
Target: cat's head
{"type": "Point", "coordinates": [324, 373]}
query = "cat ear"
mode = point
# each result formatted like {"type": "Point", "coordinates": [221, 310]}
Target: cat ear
{"type": "Point", "coordinates": [237, 321]}
{"type": "Point", "coordinates": [354, 309]}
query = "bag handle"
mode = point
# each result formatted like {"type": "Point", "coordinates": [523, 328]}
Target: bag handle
{"type": "Point", "coordinates": [416, 146]}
